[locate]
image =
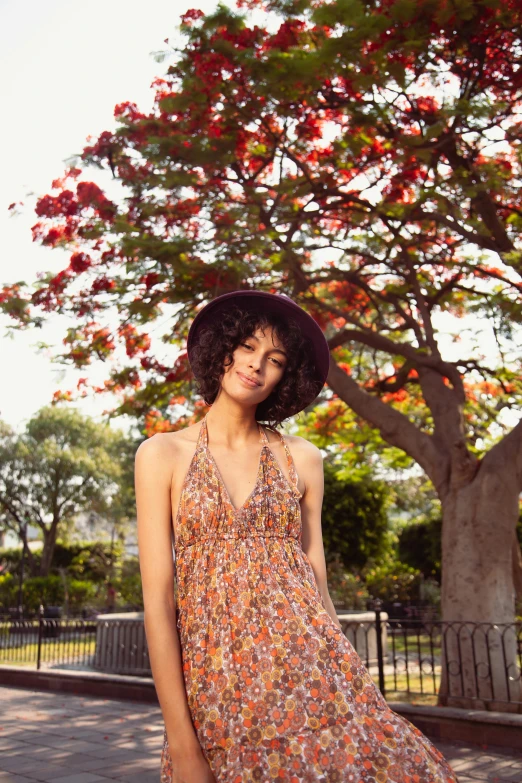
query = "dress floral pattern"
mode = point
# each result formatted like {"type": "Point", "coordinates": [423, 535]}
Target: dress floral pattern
{"type": "Point", "coordinates": [275, 689]}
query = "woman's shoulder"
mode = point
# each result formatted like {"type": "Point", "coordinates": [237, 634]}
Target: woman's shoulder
{"type": "Point", "coordinates": [171, 443]}
{"type": "Point", "coordinates": [302, 445]}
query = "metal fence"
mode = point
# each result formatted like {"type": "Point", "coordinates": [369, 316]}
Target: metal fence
{"type": "Point", "coordinates": [480, 662]}
{"type": "Point", "coordinates": [113, 646]}
{"type": "Point", "coordinates": [473, 662]}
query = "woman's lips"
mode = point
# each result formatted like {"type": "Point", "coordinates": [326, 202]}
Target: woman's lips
{"type": "Point", "coordinates": [245, 380]}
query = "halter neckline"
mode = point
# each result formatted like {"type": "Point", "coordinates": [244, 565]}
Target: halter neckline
{"type": "Point", "coordinates": [263, 439]}
{"type": "Point", "coordinates": [259, 473]}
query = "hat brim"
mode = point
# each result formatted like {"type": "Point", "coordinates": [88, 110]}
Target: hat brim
{"type": "Point", "coordinates": [262, 301]}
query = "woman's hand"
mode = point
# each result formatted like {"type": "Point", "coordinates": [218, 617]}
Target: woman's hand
{"type": "Point", "coordinates": [192, 769]}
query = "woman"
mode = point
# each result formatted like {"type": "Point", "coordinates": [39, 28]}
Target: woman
{"type": "Point", "coordinates": [255, 679]}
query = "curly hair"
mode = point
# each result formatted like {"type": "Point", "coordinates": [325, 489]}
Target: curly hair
{"type": "Point", "coordinates": [216, 344]}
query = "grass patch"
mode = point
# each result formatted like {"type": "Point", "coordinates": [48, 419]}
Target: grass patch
{"type": "Point", "coordinates": [410, 689]}
{"type": "Point", "coordinates": [51, 651]}
{"type": "Point", "coordinates": [413, 643]}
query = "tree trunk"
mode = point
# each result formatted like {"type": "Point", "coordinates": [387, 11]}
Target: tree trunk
{"type": "Point", "coordinates": [22, 533]}
{"type": "Point", "coordinates": [517, 566]}
{"type": "Point", "coordinates": [48, 549]}
{"type": "Point", "coordinates": [479, 656]}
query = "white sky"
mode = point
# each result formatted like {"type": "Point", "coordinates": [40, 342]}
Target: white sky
{"type": "Point", "coordinates": [63, 67]}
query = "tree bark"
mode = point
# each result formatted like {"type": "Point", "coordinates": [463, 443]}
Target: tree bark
{"type": "Point", "coordinates": [48, 547]}
{"type": "Point", "coordinates": [517, 567]}
{"type": "Point", "coordinates": [479, 650]}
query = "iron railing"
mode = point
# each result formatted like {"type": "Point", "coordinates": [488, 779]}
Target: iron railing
{"type": "Point", "coordinates": [116, 646]}
{"type": "Point", "coordinates": [479, 662]}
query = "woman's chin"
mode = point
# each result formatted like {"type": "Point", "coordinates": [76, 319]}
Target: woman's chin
{"type": "Point", "coordinates": [244, 395]}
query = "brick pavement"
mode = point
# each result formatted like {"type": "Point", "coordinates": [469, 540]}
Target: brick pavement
{"type": "Point", "coordinates": [64, 738]}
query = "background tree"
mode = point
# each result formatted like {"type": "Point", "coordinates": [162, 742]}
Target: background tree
{"type": "Point", "coordinates": [365, 158]}
{"type": "Point", "coordinates": [354, 520]}
{"type": "Point", "coordinates": [61, 465]}
{"type": "Point", "coordinates": [118, 513]}
{"type": "Point", "coordinates": [419, 546]}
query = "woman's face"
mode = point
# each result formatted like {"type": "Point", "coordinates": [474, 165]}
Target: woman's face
{"type": "Point", "coordinates": [259, 358]}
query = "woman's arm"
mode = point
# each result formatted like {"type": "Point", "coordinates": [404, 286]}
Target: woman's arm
{"type": "Point", "coordinates": [312, 472]}
{"type": "Point", "coordinates": [153, 505]}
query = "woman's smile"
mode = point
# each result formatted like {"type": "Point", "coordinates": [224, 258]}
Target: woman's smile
{"type": "Point", "coordinates": [246, 380]}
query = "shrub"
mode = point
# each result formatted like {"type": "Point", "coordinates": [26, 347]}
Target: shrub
{"type": "Point", "coordinates": [346, 590]}
{"type": "Point", "coordinates": [420, 545]}
{"type": "Point", "coordinates": [128, 585]}
{"type": "Point", "coordinates": [353, 518]}
{"type": "Point", "coordinates": [10, 559]}
{"type": "Point", "coordinates": [80, 592]}
{"type": "Point", "coordinates": [88, 560]}
{"type": "Point", "coordinates": [8, 591]}
{"type": "Point", "coordinates": [393, 581]}
{"type": "Point", "coordinates": [130, 592]}
{"type": "Point", "coordinates": [430, 593]}
{"type": "Point", "coordinates": [46, 590]}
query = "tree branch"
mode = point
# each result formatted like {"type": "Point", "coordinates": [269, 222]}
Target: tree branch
{"type": "Point", "coordinates": [394, 427]}
{"type": "Point", "coordinates": [381, 343]}
{"type": "Point", "coordinates": [507, 453]}
{"type": "Point", "coordinates": [482, 201]}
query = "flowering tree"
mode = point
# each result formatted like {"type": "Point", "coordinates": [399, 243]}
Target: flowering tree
{"type": "Point", "coordinates": [364, 157]}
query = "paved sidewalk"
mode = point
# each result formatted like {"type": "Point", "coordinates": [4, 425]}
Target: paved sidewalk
{"type": "Point", "coordinates": [63, 738]}
{"type": "Point", "coordinates": [486, 763]}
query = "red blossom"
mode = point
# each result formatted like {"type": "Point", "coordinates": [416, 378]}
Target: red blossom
{"type": "Point", "coordinates": [180, 371]}
{"type": "Point", "coordinates": [287, 35]}
{"type": "Point", "coordinates": [102, 148]}
{"type": "Point", "coordinates": [150, 280]}
{"type": "Point", "coordinates": [52, 236]}
{"type": "Point", "coordinates": [80, 262]}
{"type": "Point", "coordinates": [90, 195]}
{"type": "Point", "coordinates": [64, 204]}
{"type": "Point", "coordinates": [102, 283]}
{"type": "Point", "coordinates": [128, 111]}
{"type": "Point", "coordinates": [134, 341]}
{"type": "Point", "coordinates": [191, 16]}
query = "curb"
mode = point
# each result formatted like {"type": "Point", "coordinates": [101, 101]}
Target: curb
{"type": "Point", "coordinates": [108, 686]}
{"type": "Point", "coordinates": [478, 727]}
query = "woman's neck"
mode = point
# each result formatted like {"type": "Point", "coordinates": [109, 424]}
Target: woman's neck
{"type": "Point", "coordinates": [231, 428]}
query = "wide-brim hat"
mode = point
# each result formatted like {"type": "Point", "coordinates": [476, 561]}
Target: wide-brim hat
{"type": "Point", "coordinates": [262, 301]}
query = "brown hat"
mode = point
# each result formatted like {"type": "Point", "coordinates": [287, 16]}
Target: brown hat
{"type": "Point", "coordinates": [261, 301]}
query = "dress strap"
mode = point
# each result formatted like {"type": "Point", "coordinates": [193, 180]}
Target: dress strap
{"type": "Point", "coordinates": [264, 438]}
{"type": "Point", "coordinates": [203, 434]}
{"type": "Point", "coordinates": [291, 464]}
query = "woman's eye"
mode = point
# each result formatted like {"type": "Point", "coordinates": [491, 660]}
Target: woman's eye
{"type": "Point", "coordinates": [246, 345]}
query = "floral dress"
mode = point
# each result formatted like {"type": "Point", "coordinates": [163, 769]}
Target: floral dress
{"type": "Point", "coordinates": [275, 689]}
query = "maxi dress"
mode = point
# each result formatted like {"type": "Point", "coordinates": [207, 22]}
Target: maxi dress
{"type": "Point", "coordinates": [275, 689]}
